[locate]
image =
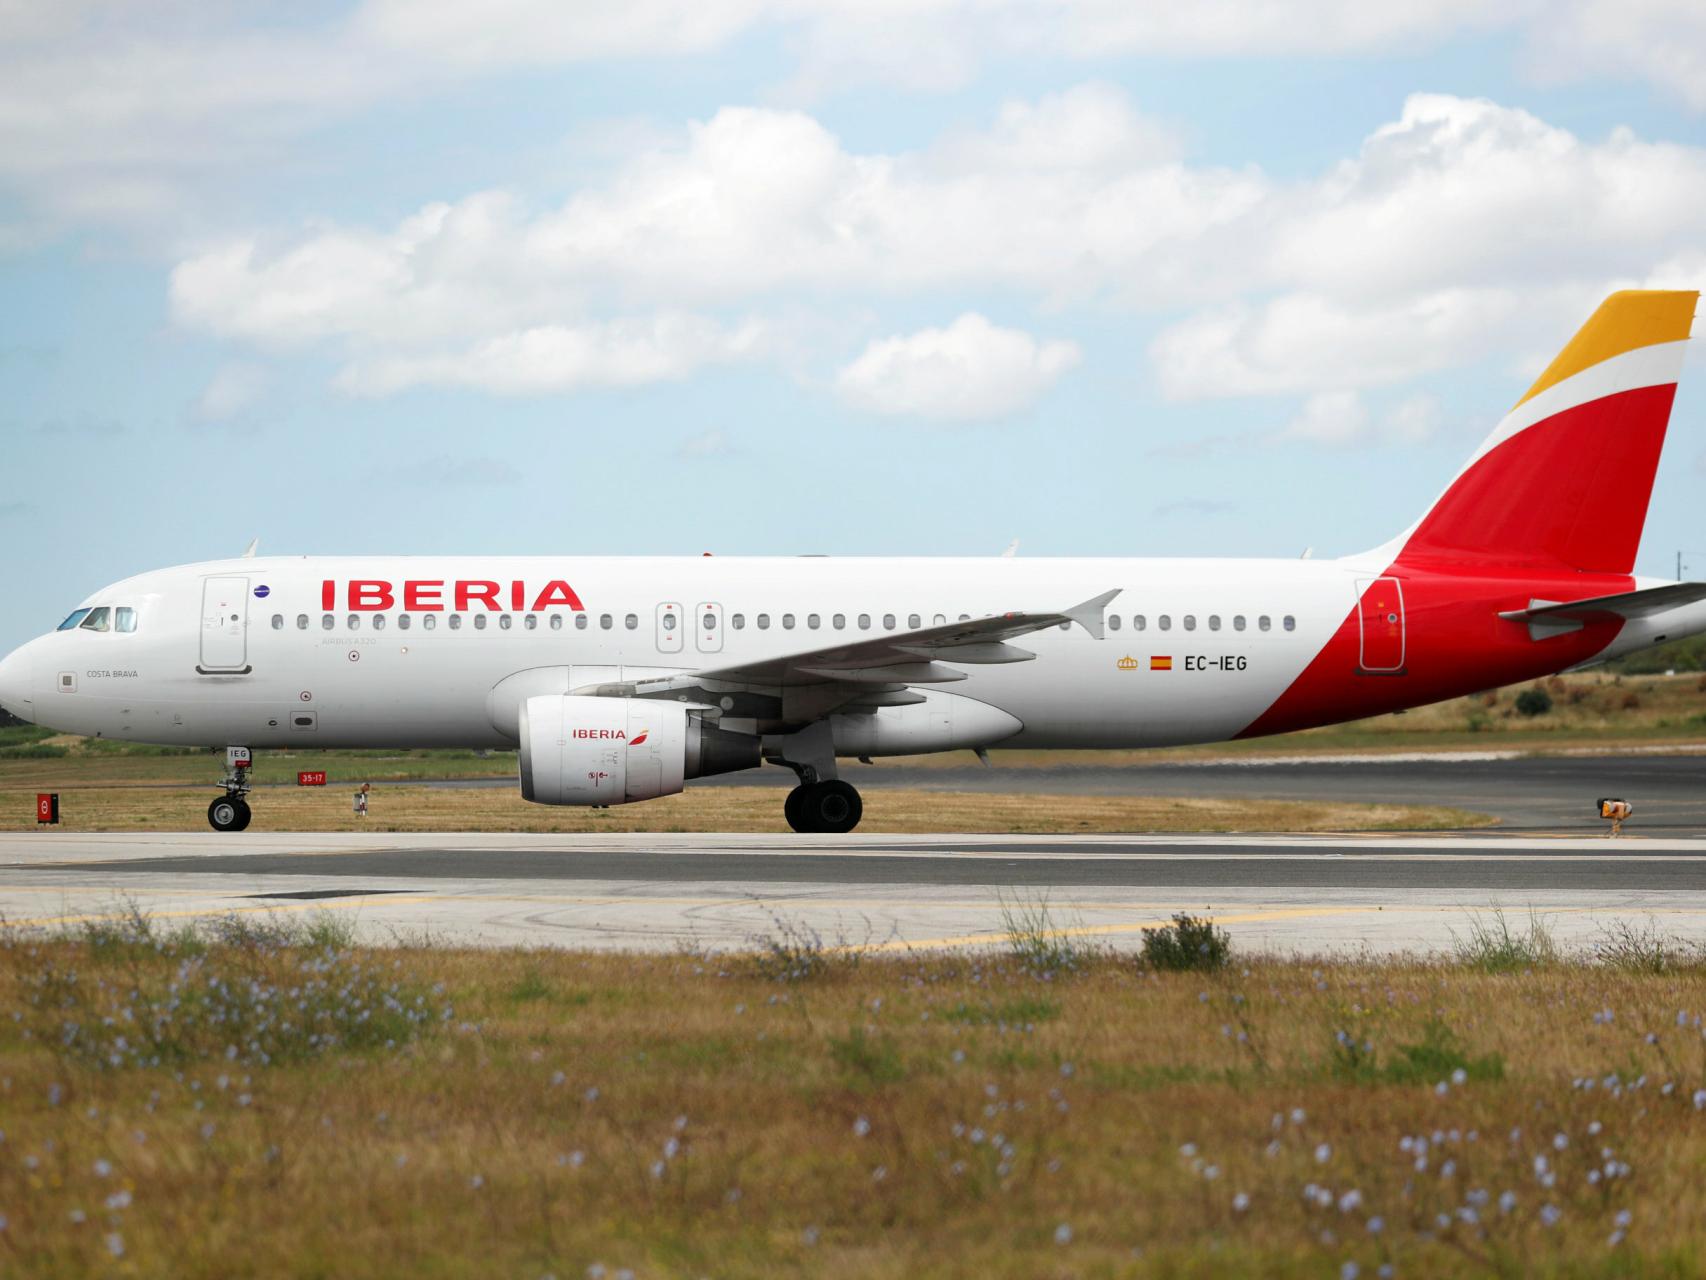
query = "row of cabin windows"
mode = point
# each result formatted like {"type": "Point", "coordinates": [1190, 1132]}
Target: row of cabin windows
{"type": "Point", "coordinates": [104, 618]}
{"type": "Point", "coordinates": [631, 621]}
{"type": "Point", "coordinates": [1164, 622]}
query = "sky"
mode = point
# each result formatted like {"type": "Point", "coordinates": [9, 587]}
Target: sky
{"type": "Point", "coordinates": [1109, 277]}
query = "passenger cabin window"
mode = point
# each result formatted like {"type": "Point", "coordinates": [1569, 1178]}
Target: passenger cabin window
{"type": "Point", "coordinates": [1190, 622]}
{"type": "Point", "coordinates": [354, 622]}
{"type": "Point", "coordinates": [787, 622]}
{"type": "Point", "coordinates": [479, 622]}
{"type": "Point", "coordinates": [531, 622]}
{"type": "Point", "coordinates": [605, 622]}
{"type": "Point", "coordinates": [278, 622]}
{"type": "Point", "coordinates": [403, 622]}
{"type": "Point", "coordinates": [456, 622]}
{"type": "Point", "coordinates": [939, 620]}
{"type": "Point", "coordinates": [1113, 622]}
{"type": "Point", "coordinates": [965, 617]}
{"type": "Point", "coordinates": [709, 622]}
{"type": "Point", "coordinates": [763, 622]}
{"type": "Point", "coordinates": [1262, 623]}
{"type": "Point", "coordinates": [379, 622]}
{"type": "Point", "coordinates": [124, 619]}
{"type": "Point", "coordinates": [580, 622]}
{"type": "Point", "coordinates": [302, 622]}
{"type": "Point", "coordinates": [1138, 622]}
{"type": "Point", "coordinates": [1290, 623]}
{"type": "Point", "coordinates": [503, 622]}
{"type": "Point", "coordinates": [556, 622]}
{"type": "Point", "coordinates": [1237, 622]}
{"type": "Point", "coordinates": [888, 622]}
{"type": "Point", "coordinates": [839, 622]}
{"type": "Point", "coordinates": [327, 622]}
{"type": "Point", "coordinates": [864, 622]}
{"type": "Point", "coordinates": [1165, 622]}
{"type": "Point", "coordinates": [812, 620]}
{"type": "Point", "coordinates": [737, 621]}
{"type": "Point", "coordinates": [1214, 622]}
{"type": "Point", "coordinates": [98, 620]}
{"type": "Point", "coordinates": [631, 621]}
{"type": "Point", "coordinates": [913, 622]}
{"type": "Point", "coordinates": [77, 616]}
{"type": "Point", "coordinates": [429, 621]}
{"type": "Point", "coordinates": [669, 622]}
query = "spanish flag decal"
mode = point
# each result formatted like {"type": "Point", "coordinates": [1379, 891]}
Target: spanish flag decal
{"type": "Point", "coordinates": [1161, 664]}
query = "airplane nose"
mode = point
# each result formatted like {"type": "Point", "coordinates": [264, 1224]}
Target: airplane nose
{"type": "Point", "coordinates": [17, 672]}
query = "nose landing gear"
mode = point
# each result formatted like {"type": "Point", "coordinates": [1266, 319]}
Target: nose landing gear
{"type": "Point", "coordinates": [231, 811]}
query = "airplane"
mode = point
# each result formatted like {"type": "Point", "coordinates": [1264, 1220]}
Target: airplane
{"type": "Point", "coordinates": [618, 679]}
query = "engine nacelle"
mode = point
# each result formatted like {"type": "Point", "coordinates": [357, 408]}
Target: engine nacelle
{"type": "Point", "coordinates": [599, 751]}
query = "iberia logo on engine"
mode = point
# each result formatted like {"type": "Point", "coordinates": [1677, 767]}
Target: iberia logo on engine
{"type": "Point", "coordinates": [619, 734]}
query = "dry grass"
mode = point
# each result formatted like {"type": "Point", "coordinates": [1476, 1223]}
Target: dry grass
{"type": "Point", "coordinates": [736, 809]}
{"type": "Point", "coordinates": [923, 1115]}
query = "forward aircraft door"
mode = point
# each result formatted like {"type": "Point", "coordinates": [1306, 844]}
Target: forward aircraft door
{"type": "Point", "coordinates": [670, 622]}
{"type": "Point", "coordinates": [224, 625]}
{"type": "Point", "coordinates": [1381, 612]}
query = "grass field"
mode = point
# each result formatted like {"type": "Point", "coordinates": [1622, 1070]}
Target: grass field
{"type": "Point", "coordinates": [733, 809]}
{"type": "Point", "coordinates": [282, 1104]}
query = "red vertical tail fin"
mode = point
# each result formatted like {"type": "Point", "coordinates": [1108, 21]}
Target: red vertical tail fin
{"type": "Point", "coordinates": [1564, 481]}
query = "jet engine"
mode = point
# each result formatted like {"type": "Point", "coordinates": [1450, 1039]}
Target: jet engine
{"type": "Point", "coordinates": [599, 751]}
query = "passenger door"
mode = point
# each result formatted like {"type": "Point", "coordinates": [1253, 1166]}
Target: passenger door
{"type": "Point", "coordinates": [671, 621]}
{"type": "Point", "coordinates": [708, 627]}
{"type": "Point", "coordinates": [1381, 613]}
{"type": "Point", "coordinates": [224, 626]}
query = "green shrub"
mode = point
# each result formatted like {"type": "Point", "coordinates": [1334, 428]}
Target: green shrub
{"type": "Point", "coordinates": [1533, 702]}
{"type": "Point", "coordinates": [1187, 943]}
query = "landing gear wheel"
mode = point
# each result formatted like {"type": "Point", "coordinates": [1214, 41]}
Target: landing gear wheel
{"type": "Point", "coordinates": [831, 807]}
{"type": "Point", "coordinates": [791, 809]}
{"type": "Point", "coordinates": [228, 813]}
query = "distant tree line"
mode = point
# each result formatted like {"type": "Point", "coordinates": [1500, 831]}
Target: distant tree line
{"type": "Point", "coordinates": [1688, 654]}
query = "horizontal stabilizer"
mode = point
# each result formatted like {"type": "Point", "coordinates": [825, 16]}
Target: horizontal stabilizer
{"type": "Point", "coordinates": [1626, 604]}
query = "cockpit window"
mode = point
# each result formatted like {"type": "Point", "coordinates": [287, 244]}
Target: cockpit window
{"type": "Point", "coordinates": [77, 615]}
{"type": "Point", "coordinates": [98, 620]}
{"type": "Point", "coordinates": [124, 619]}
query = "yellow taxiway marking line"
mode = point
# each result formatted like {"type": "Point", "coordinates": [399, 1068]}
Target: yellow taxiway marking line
{"type": "Point", "coordinates": [1098, 930]}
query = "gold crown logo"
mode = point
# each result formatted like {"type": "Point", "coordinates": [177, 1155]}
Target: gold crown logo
{"type": "Point", "coordinates": [1127, 663]}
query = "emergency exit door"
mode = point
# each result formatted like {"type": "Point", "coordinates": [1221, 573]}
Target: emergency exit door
{"type": "Point", "coordinates": [671, 621]}
{"type": "Point", "coordinates": [708, 620]}
{"type": "Point", "coordinates": [1381, 610]}
{"type": "Point", "coordinates": [224, 626]}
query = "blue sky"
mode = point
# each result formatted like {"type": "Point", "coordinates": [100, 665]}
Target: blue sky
{"type": "Point", "coordinates": [758, 276]}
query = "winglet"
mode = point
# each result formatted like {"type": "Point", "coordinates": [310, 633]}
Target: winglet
{"type": "Point", "coordinates": [1089, 614]}
{"type": "Point", "coordinates": [249, 551]}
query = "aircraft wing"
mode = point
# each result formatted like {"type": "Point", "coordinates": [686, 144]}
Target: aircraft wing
{"type": "Point", "coordinates": [873, 671]}
{"type": "Point", "coordinates": [1627, 604]}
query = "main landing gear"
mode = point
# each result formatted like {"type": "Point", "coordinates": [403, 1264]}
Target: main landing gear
{"type": "Point", "coordinates": [827, 806]}
{"type": "Point", "coordinates": [231, 811]}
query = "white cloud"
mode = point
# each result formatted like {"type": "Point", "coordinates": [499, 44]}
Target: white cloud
{"type": "Point", "coordinates": [1341, 419]}
{"type": "Point", "coordinates": [1660, 41]}
{"type": "Point", "coordinates": [234, 387]}
{"type": "Point", "coordinates": [1460, 230]}
{"type": "Point", "coordinates": [154, 116]}
{"type": "Point", "coordinates": [557, 358]}
{"type": "Point", "coordinates": [969, 371]}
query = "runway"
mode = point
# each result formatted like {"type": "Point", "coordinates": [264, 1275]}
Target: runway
{"type": "Point", "coordinates": [1288, 893]}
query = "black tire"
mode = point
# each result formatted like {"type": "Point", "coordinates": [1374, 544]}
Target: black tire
{"type": "Point", "coordinates": [831, 807]}
{"type": "Point", "coordinates": [793, 810]}
{"type": "Point", "coordinates": [243, 816]}
{"type": "Point", "coordinates": [228, 813]}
